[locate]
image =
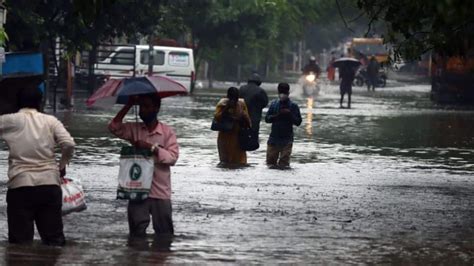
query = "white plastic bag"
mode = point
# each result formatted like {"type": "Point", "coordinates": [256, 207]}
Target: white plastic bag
{"type": "Point", "coordinates": [135, 174]}
{"type": "Point", "coordinates": [73, 196]}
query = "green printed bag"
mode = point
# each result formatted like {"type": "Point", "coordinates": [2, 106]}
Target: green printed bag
{"type": "Point", "coordinates": [135, 173]}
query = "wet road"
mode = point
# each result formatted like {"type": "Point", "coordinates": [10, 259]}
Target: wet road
{"type": "Point", "coordinates": [389, 181]}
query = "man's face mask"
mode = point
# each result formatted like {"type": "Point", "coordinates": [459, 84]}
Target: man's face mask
{"type": "Point", "coordinates": [283, 97]}
{"type": "Point", "coordinates": [148, 118]}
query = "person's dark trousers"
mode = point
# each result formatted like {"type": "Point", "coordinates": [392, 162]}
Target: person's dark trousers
{"type": "Point", "coordinates": [139, 217]}
{"type": "Point", "coordinates": [39, 204]}
{"type": "Point", "coordinates": [371, 81]}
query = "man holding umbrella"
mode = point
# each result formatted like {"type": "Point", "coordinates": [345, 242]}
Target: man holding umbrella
{"type": "Point", "coordinates": [150, 134]}
{"type": "Point", "coordinates": [160, 139]}
{"type": "Point", "coordinates": [347, 69]}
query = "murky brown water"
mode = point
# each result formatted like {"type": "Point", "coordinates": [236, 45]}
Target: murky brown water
{"type": "Point", "coordinates": [389, 181]}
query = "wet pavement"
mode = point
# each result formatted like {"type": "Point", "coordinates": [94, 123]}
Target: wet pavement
{"type": "Point", "coordinates": [389, 181]}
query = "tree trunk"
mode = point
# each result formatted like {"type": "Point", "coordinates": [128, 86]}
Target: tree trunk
{"type": "Point", "coordinates": [210, 75]}
{"type": "Point", "coordinates": [69, 83]}
{"type": "Point", "coordinates": [92, 82]}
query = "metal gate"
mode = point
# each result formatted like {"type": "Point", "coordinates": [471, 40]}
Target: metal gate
{"type": "Point", "coordinates": [106, 62]}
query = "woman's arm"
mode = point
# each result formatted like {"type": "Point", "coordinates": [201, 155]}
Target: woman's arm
{"type": "Point", "coordinates": [6, 124]}
{"type": "Point", "coordinates": [221, 108]}
{"type": "Point", "coordinates": [246, 116]}
{"type": "Point", "coordinates": [296, 115]}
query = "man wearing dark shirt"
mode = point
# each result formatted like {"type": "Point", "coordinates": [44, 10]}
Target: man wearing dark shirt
{"type": "Point", "coordinates": [282, 114]}
{"type": "Point", "coordinates": [256, 99]}
{"type": "Point", "coordinates": [347, 74]}
{"type": "Point", "coordinates": [372, 73]}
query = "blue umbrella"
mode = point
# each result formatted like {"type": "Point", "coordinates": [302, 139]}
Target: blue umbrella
{"type": "Point", "coordinates": [118, 91]}
{"type": "Point", "coordinates": [135, 86]}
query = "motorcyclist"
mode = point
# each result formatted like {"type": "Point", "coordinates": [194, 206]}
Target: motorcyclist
{"type": "Point", "coordinates": [312, 66]}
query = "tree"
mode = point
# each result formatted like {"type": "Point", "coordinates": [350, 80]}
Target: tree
{"type": "Point", "coordinates": [232, 32]}
{"type": "Point", "coordinates": [417, 26]}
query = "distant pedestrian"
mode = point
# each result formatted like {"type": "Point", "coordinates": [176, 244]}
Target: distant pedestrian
{"type": "Point", "coordinates": [34, 194]}
{"type": "Point", "coordinates": [372, 73]}
{"type": "Point", "coordinates": [160, 139]}
{"type": "Point", "coordinates": [256, 99]}
{"type": "Point", "coordinates": [331, 69]}
{"type": "Point", "coordinates": [282, 114]}
{"type": "Point", "coordinates": [236, 111]}
{"type": "Point", "coordinates": [347, 74]}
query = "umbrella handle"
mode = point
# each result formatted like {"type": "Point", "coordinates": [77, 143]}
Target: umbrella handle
{"type": "Point", "coordinates": [135, 110]}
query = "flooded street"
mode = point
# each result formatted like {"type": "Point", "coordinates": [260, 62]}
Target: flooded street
{"type": "Point", "coordinates": [388, 181]}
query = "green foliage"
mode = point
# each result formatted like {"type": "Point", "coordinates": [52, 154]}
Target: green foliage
{"type": "Point", "coordinates": [3, 36]}
{"type": "Point", "coordinates": [256, 30]}
{"type": "Point", "coordinates": [418, 26]}
{"type": "Point", "coordinates": [242, 31]}
{"type": "Point", "coordinates": [79, 23]}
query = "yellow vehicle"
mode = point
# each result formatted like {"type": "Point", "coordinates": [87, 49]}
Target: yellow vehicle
{"type": "Point", "coordinates": [452, 78]}
{"type": "Point", "coordinates": [364, 48]}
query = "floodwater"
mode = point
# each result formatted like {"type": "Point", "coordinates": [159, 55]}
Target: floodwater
{"type": "Point", "coordinates": [389, 181]}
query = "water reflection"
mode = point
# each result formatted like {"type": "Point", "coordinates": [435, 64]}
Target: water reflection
{"type": "Point", "coordinates": [162, 242]}
{"type": "Point", "coordinates": [31, 254]}
{"type": "Point", "coordinates": [392, 174]}
{"type": "Point", "coordinates": [309, 117]}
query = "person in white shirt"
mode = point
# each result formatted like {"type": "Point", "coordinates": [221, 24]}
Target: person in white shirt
{"type": "Point", "coordinates": [34, 194]}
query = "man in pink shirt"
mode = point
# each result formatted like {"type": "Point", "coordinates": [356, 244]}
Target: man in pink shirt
{"type": "Point", "coordinates": [160, 139]}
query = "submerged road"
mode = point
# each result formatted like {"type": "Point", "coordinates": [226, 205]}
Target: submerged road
{"type": "Point", "coordinates": [389, 181]}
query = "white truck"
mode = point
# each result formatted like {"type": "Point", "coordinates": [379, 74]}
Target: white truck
{"type": "Point", "coordinates": [176, 63]}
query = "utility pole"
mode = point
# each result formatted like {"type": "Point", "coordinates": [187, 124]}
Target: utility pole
{"type": "Point", "coordinates": [150, 55]}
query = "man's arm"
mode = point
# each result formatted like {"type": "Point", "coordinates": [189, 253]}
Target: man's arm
{"type": "Point", "coordinates": [117, 127]}
{"type": "Point", "coordinates": [296, 115]}
{"type": "Point", "coordinates": [270, 116]}
{"type": "Point", "coordinates": [169, 153]}
{"type": "Point", "coordinates": [65, 141]}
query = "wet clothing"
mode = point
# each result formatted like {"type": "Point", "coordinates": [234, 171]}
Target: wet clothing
{"type": "Point", "coordinates": [139, 217]}
{"type": "Point", "coordinates": [373, 68]}
{"type": "Point", "coordinates": [331, 70]}
{"type": "Point", "coordinates": [279, 155]}
{"type": "Point", "coordinates": [34, 194]}
{"type": "Point", "coordinates": [347, 75]}
{"type": "Point", "coordinates": [31, 137]}
{"type": "Point", "coordinates": [35, 204]}
{"type": "Point", "coordinates": [311, 67]}
{"type": "Point", "coordinates": [228, 142]}
{"type": "Point", "coordinates": [282, 125]}
{"type": "Point", "coordinates": [372, 74]}
{"type": "Point", "coordinates": [158, 205]}
{"type": "Point", "coordinates": [165, 157]}
{"type": "Point", "coordinates": [256, 99]}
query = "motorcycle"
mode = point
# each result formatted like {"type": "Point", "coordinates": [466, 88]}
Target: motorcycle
{"type": "Point", "coordinates": [310, 85]}
{"type": "Point", "coordinates": [361, 78]}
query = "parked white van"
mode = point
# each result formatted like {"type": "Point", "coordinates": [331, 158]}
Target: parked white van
{"type": "Point", "coordinates": [176, 63]}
